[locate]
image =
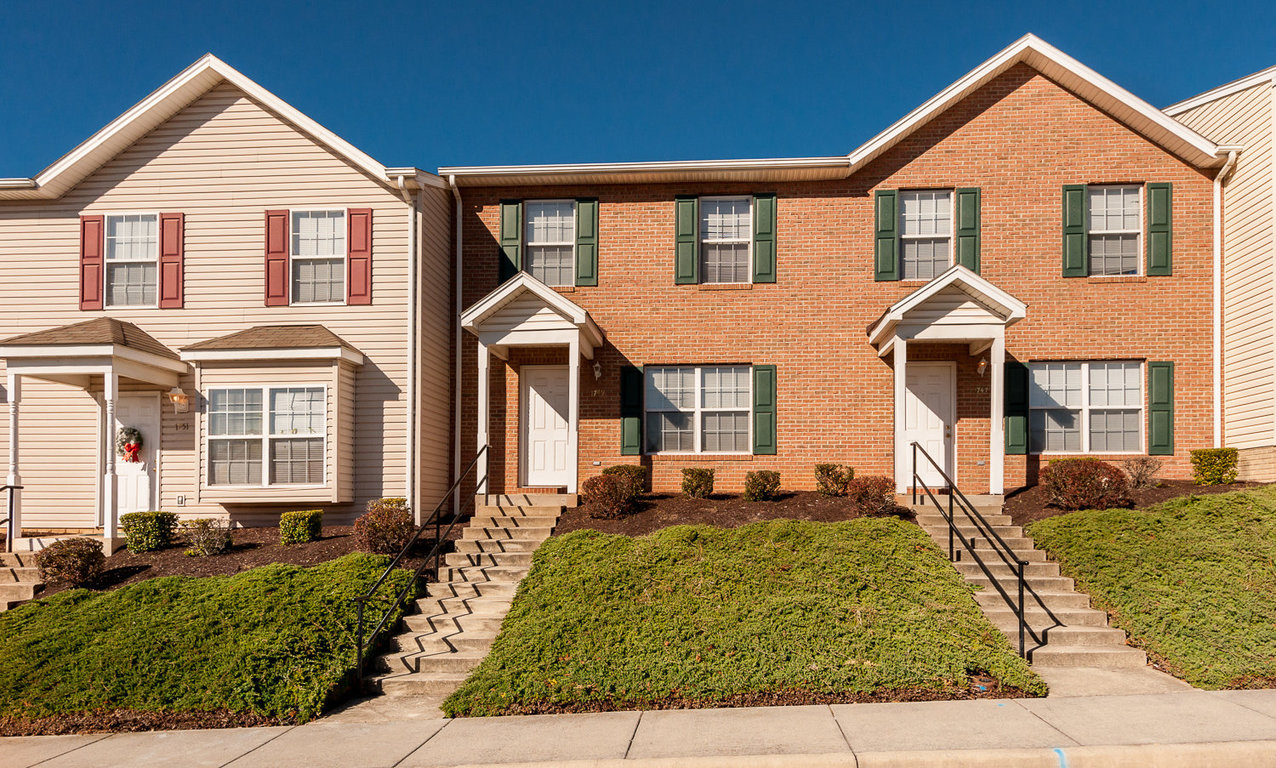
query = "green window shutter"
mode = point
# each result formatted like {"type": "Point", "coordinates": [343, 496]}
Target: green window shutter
{"type": "Point", "coordinates": [968, 215]}
{"type": "Point", "coordinates": [1160, 226]}
{"type": "Point", "coordinates": [687, 240]}
{"type": "Point", "coordinates": [764, 218]}
{"type": "Point", "coordinates": [764, 442]}
{"type": "Point", "coordinates": [1161, 409]}
{"type": "Point", "coordinates": [511, 238]}
{"type": "Point", "coordinates": [1016, 408]}
{"type": "Point", "coordinates": [587, 241]}
{"type": "Point", "coordinates": [630, 410]}
{"type": "Point", "coordinates": [1076, 240]}
{"type": "Point", "coordinates": [886, 248]}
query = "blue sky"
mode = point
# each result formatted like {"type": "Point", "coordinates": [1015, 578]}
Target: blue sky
{"type": "Point", "coordinates": [431, 83]}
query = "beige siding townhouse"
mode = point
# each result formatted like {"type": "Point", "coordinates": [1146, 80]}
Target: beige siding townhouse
{"type": "Point", "coordinates": [265, 305]}
{"type": "Point", "coordinates": [1242, 115]}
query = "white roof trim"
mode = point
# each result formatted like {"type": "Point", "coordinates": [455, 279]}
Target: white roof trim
{"type": "Point", "coordinates": [1227, 89]}
{"type": "Point", "coordinates": [282, 354]}
{"type": "Point", "coordinates": [68, 351]}
{"type": "Point", "coordinates": [472, 318]}
{"type": "Point", "coordinates": [980, 289]}
{"type": "Point", "coordinates": [166, 101]}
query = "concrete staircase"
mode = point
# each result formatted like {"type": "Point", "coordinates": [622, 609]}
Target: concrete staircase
{"type": "Point", "coordinates": [19, 578]}
{"type": "Point", "coordinates": [447, 633]}
{"type": "Point", "coordinates": [1065, 632]}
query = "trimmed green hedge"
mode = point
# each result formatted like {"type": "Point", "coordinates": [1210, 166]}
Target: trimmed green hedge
{"type": "Point", "coordinates": [300, 526]}
{"type": "Point", "coordinates": [148, 531]}
{"type": "Point", "coordinates": [277, 641]}
{"type": "Point", "coordinates": [703, 613]}
{"type": "Point", "coordinates": [1214, 466]}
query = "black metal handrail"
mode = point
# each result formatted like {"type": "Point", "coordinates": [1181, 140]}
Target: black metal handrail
{"type": "Point", "coordinates": [1001, 548]}
{"type": "Point", "coordinates": [362, 643]}
{"type": "Point", "coordinates": [9, 533]}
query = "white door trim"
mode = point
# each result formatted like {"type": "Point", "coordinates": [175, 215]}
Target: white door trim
{"type": "Point", "coordinates": [523, 399]}
{"type": "Point", "coordinates": [950, 443]}
{"type": "Point", "coordinates": [153, 452]}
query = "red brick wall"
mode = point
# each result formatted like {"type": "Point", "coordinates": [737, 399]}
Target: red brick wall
{"type": "Point", "coordinates": [1020, 139]}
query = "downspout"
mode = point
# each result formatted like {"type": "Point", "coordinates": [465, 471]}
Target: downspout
{"type": "Point", "coordinates": [456, 367]}
{"type": "Point", "coordinates": [1223, 173]}
{"type": "Point", "coordinates": [411, 200]}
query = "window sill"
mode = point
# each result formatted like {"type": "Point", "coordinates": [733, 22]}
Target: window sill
{"type": "Point", "coordinates": [724, 286]}
{"type": "Point", "coordinates": [1086, 455]}
{"type": "Point", "coordinates": [1118, 278]}
{"type": "Point", "coordinates": [693, 457]}
{"type": "Point", "coordinates": [317, 304]}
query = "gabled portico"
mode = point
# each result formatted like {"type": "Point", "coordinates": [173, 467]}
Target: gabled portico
{"type": "Point", "coordinates": [524, 312]}
{"type": "Point", "coordinates": [956, 308]}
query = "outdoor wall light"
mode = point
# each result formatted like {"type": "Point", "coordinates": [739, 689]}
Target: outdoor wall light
{"type": "Point", "coordinates": [983, 366]}
{"type": "Point", "coordinates": [598, 370]}
{"type": "Point", "coordinates": [180, 400]}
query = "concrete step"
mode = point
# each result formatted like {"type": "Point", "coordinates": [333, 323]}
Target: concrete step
{"type": "Point", "coordinates": [430, 663]}
{"type": "Point", "coordinates": [20, 575]}
{"type": "Point", "coordinates": [531, 521]}
{"type": "Point", "coordinates": [452, 622]}
{"type": "Point", "coordinates": [526, 500]}
{"type": "Point", "coordinates": [936, 520]}
{"type": "Point", "coordinates": [1005, 619]}
{"type": "Point", "coordinates": [1052, 600]}
{"type": "Point", "coordinates": [445, 589]}
{"type": "Point", "coordinates": [495, 545]}
{"type": "Point", "coordinates": [471, 574]}
{"type": "Point", "coordinates": [517, 512]}
{"type": "Point", "coordinates": [462, 606]}
{"type": "Point", "coordinates": [17, 592]}
{"type": "Point", "coordinates": [967, 567]}
{"type": "Point", "coordinates": [937, 530]}
{"type": "Point", "coordinates": [537, 534]}
{"type": "Point", "coordinates": [440, 684]}
{"type": "Point", "coordinates": [1073, 636]}
{"type": "Point", "coordinates": [1088, 656]}
{"type": "Point", "coordinates": [467, 559]}
{"type": "Point", "coordinates": [993, 555]}
{"type": "Point", "coordinates": [441, 642]}
{"type": "Point", "coordinates": [1011, 584]}
{"type": "Point", "coordinates": [17, 559]}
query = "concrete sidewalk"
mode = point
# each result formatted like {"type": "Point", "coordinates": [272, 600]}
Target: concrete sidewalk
{"type": "Point", "coordinates": [1190, 728]}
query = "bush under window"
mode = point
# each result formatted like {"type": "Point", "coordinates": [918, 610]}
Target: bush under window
{"type": "Point", "coordinates": [148, 531]}
{"type": "Point", "coordinates": [606, 496]}
{"type": "Point", "coordinates": [763, 485]}
{"type": "Point", "coordinates": [386, 528]}
{"type": "Point", "coordinates": [833, 479]}
{"type": "Point", "coordinates": [300, 526]}
{"type": "Point", "coordinates": [634, 476]}
{"type": "Point", "coordinates": [697, 482]}
{"type": "Point", "coordinates": [207, 536]}
{"type": "Point", "coordinates": [1085, 484]}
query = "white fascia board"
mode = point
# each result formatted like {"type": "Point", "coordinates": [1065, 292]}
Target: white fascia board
{"type": "Point", "coordinates": [74, 352]}
{"type": "Point", "coordinates": [979, 289]}
{"type": "Point", "coordinates": [506, 293]}
{"type": "Point", "coordinates": [675, 166]}
{"type": "Point", "coordinates": [282, 355]}
{"type": "Point", "coordinates": [1236, 86]}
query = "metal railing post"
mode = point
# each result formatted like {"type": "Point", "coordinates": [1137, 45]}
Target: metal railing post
{"type": "Point", "coordinates": [1022, 654]}
{"type": "Point", "coordinates": [914, 474]}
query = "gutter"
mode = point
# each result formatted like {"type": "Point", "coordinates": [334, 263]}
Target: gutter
{"type": "Point", "coordinates": [456, 368]}
{"type": "Point", "coordinates": [1223, 173]}
{"type": "Point", "coordinates": [410, 452]}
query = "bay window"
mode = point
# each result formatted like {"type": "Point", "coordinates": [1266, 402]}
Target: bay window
{"type": "Point", "coordinates": [266, 435]}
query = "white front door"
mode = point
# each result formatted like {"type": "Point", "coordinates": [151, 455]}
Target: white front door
{"type": "Point", "coordinates": [138, 481]}
{"type": "Point", "coordinates": [928, 419]}
{"type": "Point", "coordinates": [545, 428]}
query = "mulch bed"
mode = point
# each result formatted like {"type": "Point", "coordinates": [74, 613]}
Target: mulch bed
{"type": "Point", "coordinates": [131, 721]}
{"type": "Point", "coordinates": [724, 511]}
{"type": "Point", "coordinates": [1028, 505]}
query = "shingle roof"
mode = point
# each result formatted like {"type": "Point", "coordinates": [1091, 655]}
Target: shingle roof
{"type": "Point", "coordinates": [274, 337]}
{"type": "Point", "coordinates": [101, 330]}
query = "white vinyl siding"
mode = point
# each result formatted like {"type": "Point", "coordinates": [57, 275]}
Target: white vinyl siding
{"type": "Point", "coordinates": [550, 234]}
{"type": "Point", "coordinates": [1115, 230]}
{"type": "Point", "coordinates": [726, 237]}
{"type": "Point", "coordinates": [926, 233]}
{"type": "Point", "coordinates": [698, 409]}
{"type": "Point", "coordinates": [1086, 407]}
{"type": "Point", "coordinates": [318, 257]}
{"type": "Point", "coordinates": [132, 260]}
{"type": "Point", "coordinates": [240, 446]}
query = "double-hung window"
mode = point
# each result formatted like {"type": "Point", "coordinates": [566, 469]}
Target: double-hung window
{"type": "Point", "coordinates": [1115, 229]}
{"type": "Point", "coordinates": [726, 235]}
{"type": "Point", "coordinates": [318, 256]}
{"type": "Point", "coordinates": [550, 236]}
{"type": "Point", "coordinates": [1086, 407]}
{"type": "Point", "coordinates": [698, 409]}
{"type": "Point", "coordinates": [926, 233]}
{"type": "Point", "coordinates": [266, 435]}
{"type": "Point", "coordinates": [132, 260]}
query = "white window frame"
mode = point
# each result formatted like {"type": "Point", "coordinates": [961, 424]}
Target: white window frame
{"type": "Point", "coordinates": [1138, 233]}
{"type": "Point", "coordinates": [266, 436]}
{"type": "Point", "coordinates": [345, 258]}
{"type": "Point", "coordinates": [107, 261]}
{"type": "Point", "coordinates": [528, 244]}
{"type": "Point", "coordinates": [698, 412]}
{"type": "Point", "coordinates": [951, 236]}
{"type": "Point", "coordinates": [702, 241]}
{"type": "Point", "coordinates": [1086, 408]}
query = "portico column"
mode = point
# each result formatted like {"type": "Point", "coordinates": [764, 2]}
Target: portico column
{"type": "Point", "coordinates": [903, 456]}
{"type": "Point", "coordinates": [14, 478]}
{"type": "Point", "coordinates": [481, 434]}
{"type": "Point", "coordinates": [996, 426]}
{"type": "Point", "coordinates": [573, 413]}
{"type": "Point", "coordinates": [110, 497]}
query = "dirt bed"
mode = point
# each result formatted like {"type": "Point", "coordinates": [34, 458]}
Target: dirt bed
{"type": "Point", "coordinates": [1030, 504]}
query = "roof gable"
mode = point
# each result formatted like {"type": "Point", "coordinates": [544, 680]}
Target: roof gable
{"type": "Point", "coordinates": [996, 302]}
{"type": "Point", "coordinates": [525, 286]}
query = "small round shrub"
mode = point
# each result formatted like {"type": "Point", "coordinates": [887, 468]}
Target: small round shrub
{"type": "Point", "coordinates": [207, 536]}
{"type": "Point", "coordinates": [1085, 484]}
{"type": "Point", "coordinates": [762, 485]}
{"type": "Point", "coordinates": [1142, 471]}
{"type": "Point", "coordinates": [872, 495]}
{"type": "Point", "coordinates": [300, 526]}
{"type": "Point", "coordinates": [148, 531]}
{"type": "Point", "coordinates": [697, 482]}
{"type": "Point", "coordinates": [606, 497]}
{"type": "Point", "coordinates": [833, 479]}
{"type": "Point", "coordinates": [1214, 466]}
{"type": "Point", "coordinates": [386, 528]}
{"type": "Point", "coordinates": [634, 477]}
{"type": "Point", "coordinates": [75, 562]}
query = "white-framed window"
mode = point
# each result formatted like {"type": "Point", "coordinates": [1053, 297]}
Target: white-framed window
{"type": "Point", "coordinates": [550, 241]}
{"type": "Point", "coordinates": [132, 260]}
{"type": "Point", "coordinates": [1115, 215]}
{"type": "Point", "coordinates": [726, 239]}
{"type": "Point", "coordinates": [318, 256]}
{"type": "Point", "coordinates": [1086, 407]}
{"type": "Point", "coordinates": [926, 233]}
{"type": "Point", "coordinates": [267, 435]}
{"type": "Point", "coordinates": [698, 409]}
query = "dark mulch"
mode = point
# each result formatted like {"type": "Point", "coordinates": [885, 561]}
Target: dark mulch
{"type": "Point", "coordinates": [131, 720]}
{"type": "Point", "coordinates": [724, 511]}
{"type": "Point", "coordinates": [1029, 504]}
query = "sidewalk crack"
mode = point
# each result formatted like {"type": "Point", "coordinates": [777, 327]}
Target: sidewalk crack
{"type": "Point", "coordinates": [259, 746]}
{"type": "Point", "coordinates": [632, 734]}
{"type": "Point", "coordinates": [1050, 725]}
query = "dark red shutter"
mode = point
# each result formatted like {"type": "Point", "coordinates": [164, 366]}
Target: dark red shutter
{"type": "Point", "coordinates": [276, 258]}
{"type": "Point", "coordinates": [171, 256]}
{"type": "Point", "coordinates": [359, 256]}
{"type": "Point", "coordinates": [91, 261]}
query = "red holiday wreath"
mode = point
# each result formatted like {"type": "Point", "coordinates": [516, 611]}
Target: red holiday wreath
{"type": "Point", "coordinates": [128, 443]}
